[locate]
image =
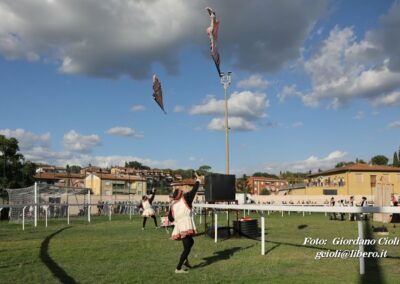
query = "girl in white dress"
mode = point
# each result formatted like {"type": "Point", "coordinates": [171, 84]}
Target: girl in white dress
{"type": "Point", "coordinates": [148, 210]}
{"type": "Point", "coordinates": [181, 214]}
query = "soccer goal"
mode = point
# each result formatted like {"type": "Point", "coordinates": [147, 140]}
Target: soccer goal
{"type": "Point", "coordinates": [44, 201]}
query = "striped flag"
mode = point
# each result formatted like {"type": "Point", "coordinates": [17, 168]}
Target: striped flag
{"type": "Point", "coordinates": [157, 92]}
{"type": "Point", "coordinates": [212, 32]}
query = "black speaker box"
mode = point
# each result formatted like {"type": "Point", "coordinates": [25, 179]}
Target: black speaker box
{"type": "Point", "coordinates": [247, 228]}
{"type": "Point", "coordinates": [219, 187]}
{"type": "Point", "coordinates": [223, 232]}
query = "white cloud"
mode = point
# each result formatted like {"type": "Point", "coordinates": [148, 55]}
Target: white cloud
{"type": "Point", "coordinates": [312, 163]}
{"type": "Point", "coordinates": [359, 115]}
{"type": "Point", "coordinates": [289, 91]}
{"type": "Point", "coordinates": [82, 159]}
{"type": "Point", "coordinates": [47, 156]}
{"type": "Point", "coordinates": [391, 99]}
{"type": "Point", "coordinates": [253, 82]}
{"type": "Point", "coordinates": [244, 109]}
{"type": "Point", "coordinates": [344, 69]}
{"type": "Point", "coordinates": [242, 104]}
{"type": "Point", "coordinates": [235, 123]}
{"type": "Point", "coordinates": [76, 142]}
{"type": "Point", "coordinates": [178, 108]}
{"type": "Point", "coordinates": [26, 139]}
{"type": "Point", "coordinates": [394, 124]}
{"type": "Point", "coordinates": [138, 108]}
{"type": "Point", "coordinates": [297, 124]}
{"type": "Point", "coordinates": [115, 160]}
{"type": "Point", "coordinates": [114, 38]}
{"type": "Point", "coordinates": [36, 148]}
{"type": "Point", "coordinates": [124, 131]}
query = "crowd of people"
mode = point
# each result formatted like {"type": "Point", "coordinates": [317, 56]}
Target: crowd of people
{"type": "Point", "coordinates": [123, 207]}
{"type": "Point", "coordinates": [342, 203]}
{"type": "Point", "coordinates": [394, 218]}
{"type": "Point", "coordinates": [328, 181]}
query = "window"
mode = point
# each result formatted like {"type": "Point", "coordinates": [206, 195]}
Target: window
{"type": "Point", "coordinates": [359, 178]}
{"type": "Point", "coordinates": [117, 186]}
{"type": "Point", "coordinates": [373, 180]}
{"type": "Point", "coordinates": [329, 192]}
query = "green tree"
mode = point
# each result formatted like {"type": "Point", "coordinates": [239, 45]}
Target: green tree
{"type": "Point", "coordinates": [241, 184]}
{"type": "Point", "coordinates": [15, 172]}
{"type": "Point", "coordinates": [265, 191]}
{"type": "Point", "coordinates": [204, 170]}
{"type": "Point", "coordinates": [342, 164]}
{"type": "Point", "coordinates": [261, 174]}
{"type": "Point", "coordinates": [395, 160]}
{"type": "Point", "coordinates": [136, 165]}
{"type": "Point", "coordinates": [379, 160]}
{"type": "Point", "coordinates": [293, 178]}
{"type": "Point", "coordinates": [360, 161]}
{"type": "Point", "coordinates": [75, 169]}
{"type": "Point", "coordinates": [185, 174]}
{"type": "Point", "coordinates": [28, 173]}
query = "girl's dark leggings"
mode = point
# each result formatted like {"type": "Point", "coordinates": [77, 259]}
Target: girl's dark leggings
{"type": "Point", "coordinates": [187, 246]}
{"type": "Point", "coordinates": [145, 219]}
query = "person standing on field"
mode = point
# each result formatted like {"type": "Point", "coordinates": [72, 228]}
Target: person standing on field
{"type": "Point", "coordinates": [182, 215]}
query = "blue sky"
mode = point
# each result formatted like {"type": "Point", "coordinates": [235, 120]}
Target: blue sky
{"type": "Point", "coordinates": [314, 82]}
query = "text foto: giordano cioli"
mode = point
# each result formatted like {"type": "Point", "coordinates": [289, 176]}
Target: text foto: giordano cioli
{"type": "Point", "coordinates": [384, 241]}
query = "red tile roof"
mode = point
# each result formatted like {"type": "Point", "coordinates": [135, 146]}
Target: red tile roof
{"type": "Point", "coordinates": [190, 182]}
{"type": "Point", "coordinates": [57, 176]}
{"type": "Point", "coordinates": [358, 168]}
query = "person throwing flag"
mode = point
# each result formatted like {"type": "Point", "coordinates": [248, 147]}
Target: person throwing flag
{"type": "Point", "coordinates": [181, 214]}
{"type": "Point", "coordinates": [148, 210]}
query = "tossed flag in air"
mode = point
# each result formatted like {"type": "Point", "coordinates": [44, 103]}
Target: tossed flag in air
{"type": "Point", "coordinates": [212, 32]}
{"type": "Point", "coordinates": [157, 92]}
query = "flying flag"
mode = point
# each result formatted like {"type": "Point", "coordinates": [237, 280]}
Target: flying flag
{"type": "Point", "coordinates": [157, 92]}
{"type": "Point", "coordinates": [212, 32]}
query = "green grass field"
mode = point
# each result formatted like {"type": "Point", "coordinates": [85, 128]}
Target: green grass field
{"type": "Point", "coordinates": [120, 252]}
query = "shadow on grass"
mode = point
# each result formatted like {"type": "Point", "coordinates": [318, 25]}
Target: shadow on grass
{"type": "Point", "coordinates": [302, 226]}
{"type": "Point", "coordinates": [220, 255]}
{"type": "Point", "coordinates": [393, 257]}
{"type": "Point", "coordinates": [299, 246]}
{"type": "Point", "coordinates": [57, 271]}
{"type": "Point", "coordinates": [373, 272]}
{"type": "Point", "coordinates": [272, 248]}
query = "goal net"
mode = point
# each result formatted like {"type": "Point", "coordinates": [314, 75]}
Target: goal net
{"type": "Point", "coordinates": [54, 199]}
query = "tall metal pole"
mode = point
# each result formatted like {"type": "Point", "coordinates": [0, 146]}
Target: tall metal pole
{"type": "Point", "coordinates": [226, 81]}
{"type": "Point", "coordinates": [36, 202]}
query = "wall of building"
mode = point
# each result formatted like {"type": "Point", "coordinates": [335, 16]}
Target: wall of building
{"type": "Point", "coordinates": [355, 183]}
{"type": "Point", "coordinates": [106, 187]}
{"type": "Point", "coordinates": [94, 182]}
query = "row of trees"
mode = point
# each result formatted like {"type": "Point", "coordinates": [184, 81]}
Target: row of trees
{"type": "Point", "coordinates": [376, 160]}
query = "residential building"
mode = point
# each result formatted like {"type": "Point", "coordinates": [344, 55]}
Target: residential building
{"type": "Point", "coordinates": [108, 184]}
{"type": "Point", "coordinates": [256, 185]}
{"type": "Point", "coordinates": [354, 179]}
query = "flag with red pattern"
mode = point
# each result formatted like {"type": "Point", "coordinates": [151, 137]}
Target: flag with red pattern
{"type": "Point", "coordinates": [157, 93]}
{"type": "Point", "coordinates": [212, 32]}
